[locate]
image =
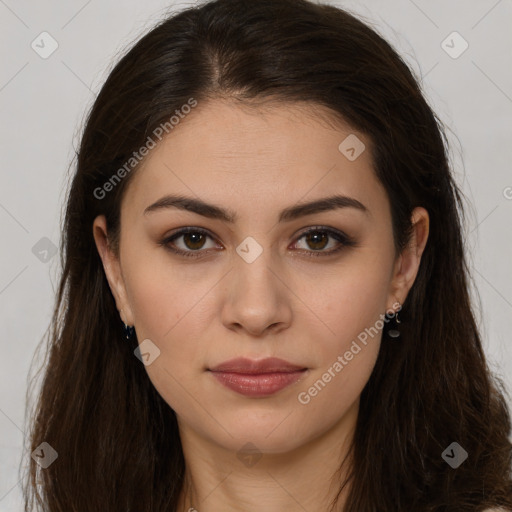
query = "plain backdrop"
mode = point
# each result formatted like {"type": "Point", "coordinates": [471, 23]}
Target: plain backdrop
{"type": "Point", "coordinates": [43, 103]}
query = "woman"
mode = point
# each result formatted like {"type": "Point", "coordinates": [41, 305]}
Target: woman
{"type": "Point", "coordinates": [264, 303]}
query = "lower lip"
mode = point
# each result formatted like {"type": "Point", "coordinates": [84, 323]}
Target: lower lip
{"type": "Point", "coordinates": [257, 385]}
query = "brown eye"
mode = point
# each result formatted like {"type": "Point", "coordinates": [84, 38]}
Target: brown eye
{"type": "Point", "coordinates": [317, 239]}
{"type": "Point", "coordinates": [192, 242]}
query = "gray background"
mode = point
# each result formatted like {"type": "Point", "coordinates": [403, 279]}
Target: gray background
{"type": "Point", "coordinates": [43, 103]}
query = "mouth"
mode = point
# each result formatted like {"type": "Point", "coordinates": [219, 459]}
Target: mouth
{"type": "Point", "coordinates": [257, 378]}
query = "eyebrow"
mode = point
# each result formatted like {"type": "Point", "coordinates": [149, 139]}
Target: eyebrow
{"type": "Point", "coordinates": [288, 214]}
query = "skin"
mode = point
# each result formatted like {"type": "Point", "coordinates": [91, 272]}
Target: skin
{"type": "Point", "coordinates": [306, 310]}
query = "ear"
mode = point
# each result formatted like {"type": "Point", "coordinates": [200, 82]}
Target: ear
{"type": "Point", "coordinates": [408, 262]}
{"type": "Point", "coordinates": [112, 268]}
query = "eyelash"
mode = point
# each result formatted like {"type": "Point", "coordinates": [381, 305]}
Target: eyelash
{"type": "Point", "coordinates": [342, 238]}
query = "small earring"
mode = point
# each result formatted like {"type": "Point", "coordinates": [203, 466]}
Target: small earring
{"type": "Point", "coordinates": [129, 331]}
{"type": "Point", "coordinates": [395, 333]}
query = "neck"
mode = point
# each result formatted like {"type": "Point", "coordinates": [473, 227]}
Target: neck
{"type": "Point", "coordinates": [307, 478]}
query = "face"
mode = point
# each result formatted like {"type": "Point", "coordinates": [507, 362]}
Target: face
{"type": "Point", "coordinates": [259, 275]}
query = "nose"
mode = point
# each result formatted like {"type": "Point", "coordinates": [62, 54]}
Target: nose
{"type": "Point", "coordinates": [258, 299]}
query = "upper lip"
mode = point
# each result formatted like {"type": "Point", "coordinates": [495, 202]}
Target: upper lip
{"type": "Point", "coordinates": [250, 366]}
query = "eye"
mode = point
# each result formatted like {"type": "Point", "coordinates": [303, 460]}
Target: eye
{"type": "Point", "coordinates": [192, 243]}
{"type": "Point", "coordinates": [318, 237]}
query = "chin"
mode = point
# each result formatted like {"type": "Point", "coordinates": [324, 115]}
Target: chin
{"type": "Point", "coordinates": [270, 432]}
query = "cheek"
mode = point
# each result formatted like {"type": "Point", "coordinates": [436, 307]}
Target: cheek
{"type": "Point", "coordinates": [172, 320]}
{"type": "Point", "coordinates": [164, 297]}
{"type": "Point", "coordinates": [165, 315]}
{"type": "Point", "coordinates": [351, 306]}
{"type": "Point", "coordinates": [349, 303]}
{"type": "Point", "coordinates": [171, 310]}
{"type": "Point", "coordinates": [333, 390]}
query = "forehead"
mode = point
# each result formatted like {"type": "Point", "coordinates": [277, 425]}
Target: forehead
{"type": "Point", "coordinates": [257, 158]}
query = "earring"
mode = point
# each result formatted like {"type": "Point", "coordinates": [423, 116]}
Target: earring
{"type": "Point", "coordinates": [395, 333]}
{"type": "Point", "coordinates": [129, 330]}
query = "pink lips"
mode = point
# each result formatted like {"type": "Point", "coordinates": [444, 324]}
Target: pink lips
{"type": "Point", "coordinates": [257, 378]}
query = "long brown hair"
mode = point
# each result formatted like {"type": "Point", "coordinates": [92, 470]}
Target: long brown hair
{"type": "Point", "coordinates": [117, 440]}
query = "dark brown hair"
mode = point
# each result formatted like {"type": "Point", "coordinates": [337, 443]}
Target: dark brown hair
{"type": "Point", "coordinates": [117, 439]}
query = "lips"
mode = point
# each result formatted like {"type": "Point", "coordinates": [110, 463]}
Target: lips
{"type": "Point", "coordinates": [250, 366]}
{"type": "Point", "coordinates": [257, 378]}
